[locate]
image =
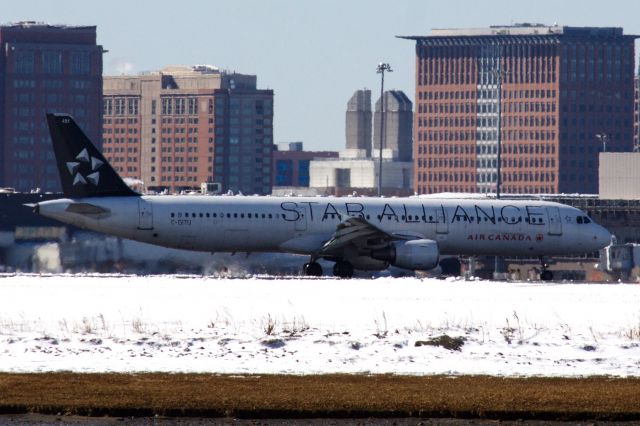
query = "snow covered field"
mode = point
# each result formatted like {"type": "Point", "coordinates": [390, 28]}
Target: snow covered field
{"type": "Point", "coordinates": [303, 326]}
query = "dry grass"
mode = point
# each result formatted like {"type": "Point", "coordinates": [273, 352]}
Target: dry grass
{"type": "Point", "coordinates": [320, 396]}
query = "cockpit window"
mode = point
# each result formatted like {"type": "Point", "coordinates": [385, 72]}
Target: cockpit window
{"type": "Point", "coordinates": [583, 219]}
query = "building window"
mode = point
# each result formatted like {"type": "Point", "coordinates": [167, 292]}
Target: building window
{"type": "Point", "coordinates": [180, 106]}
{"type": "Point", "coordinates": [132, 106]}
{"type": "Point", "coordinates": [167, 106]}
{"type": "Point", "coordinates": [52, 62]}
{"type": "Point", "coordinates": [193, 106]}
{"type": "Point", "coordinates": [119, 106]}
{"type": "Point", "coordinates": [107, 106]}
{"type": "Point", "coordinates": [80, 63]}
{"type": "Point", "coordinates": [24, 62]}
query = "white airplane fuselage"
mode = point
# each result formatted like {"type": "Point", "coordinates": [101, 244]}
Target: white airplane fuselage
{"type": "Point", "coordinates": [303, 224]}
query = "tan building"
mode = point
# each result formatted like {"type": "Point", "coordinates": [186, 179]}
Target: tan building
{"type": "Point", "coordinates": [181, 126]}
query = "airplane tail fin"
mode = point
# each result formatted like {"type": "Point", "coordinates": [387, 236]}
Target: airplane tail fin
{"type": "Point", "coordinates": [84, 172]}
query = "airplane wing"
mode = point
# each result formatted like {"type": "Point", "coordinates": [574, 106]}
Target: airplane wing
{"type": "Point", "coordinates": [359, 232]}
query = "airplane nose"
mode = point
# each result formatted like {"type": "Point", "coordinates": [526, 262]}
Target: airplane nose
{"type": "Point", "coordinates": [601, 237]}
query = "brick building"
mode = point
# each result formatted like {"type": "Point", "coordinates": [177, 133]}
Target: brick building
{"type": "Point", "coordinates": [560, 87]}
{"type": "Point", "coordinates": [44, 68]}
{"type": "Point", "coordinates": [182, 126]}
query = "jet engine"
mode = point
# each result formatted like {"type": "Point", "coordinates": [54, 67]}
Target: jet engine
{"type": "Point", "coordinates": [413, 254]}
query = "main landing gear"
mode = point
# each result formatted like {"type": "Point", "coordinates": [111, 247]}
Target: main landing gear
{"type": "Point", "coordinates": [343, 269]}
{"type": "Point", "coordinates": [545, 274]}
{"type": "Point", "coordinates": [312, 269]}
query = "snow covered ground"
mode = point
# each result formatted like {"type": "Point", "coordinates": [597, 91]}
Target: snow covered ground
{"type": "Point", "coordinates": [99, 323]}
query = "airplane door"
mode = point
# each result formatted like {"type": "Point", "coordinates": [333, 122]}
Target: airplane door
{"type": "Point", "coordinates": [145, 215]}
{"type": "Point", "coordinates": [442, 227]}
{"type": "Point", "coordinates": [301, 223]}
{"type": "Point", "coordinates": [555, 222]}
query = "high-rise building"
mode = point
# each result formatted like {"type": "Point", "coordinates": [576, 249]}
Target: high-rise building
{"type": "Point", "coordinates": [398, 126]}
{"type": "Point", "coordinates": [182, 126]}
{"type": "Point", "coordinates": [560, 87]}
{"type": "Point", "coordinates": [358, 123]}
{"type": "Point", "coordinates": [636, 113]}
{"type": "Point", "coordinates": [44, 68]}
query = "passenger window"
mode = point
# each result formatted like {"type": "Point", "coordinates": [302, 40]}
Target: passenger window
{"type": "Point", "coordinates": [172, 214]}
{"type": "Point", "coordinates": [235, 215]}
{"type": "Point", "coordinates": [242, 215]}
{"type": "Point", "coordinates": [229, 215]}
{"type": "Point", "coordinates": [263, 215]}
{"type": "Point", "coordinates": [193, 215]}
{"type": "Point", "coordinates": [249, 215]}
{"type": "Point", "coordinates": [270, 217]}
{"type": "Point", "coordinates": [215, 215]}
{"type": "Point", "coordinates": [207, 214]}
{"type": "Point", "coordinates": [201, 215]}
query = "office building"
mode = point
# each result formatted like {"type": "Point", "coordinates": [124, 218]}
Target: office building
{"type": "Point", "coordinates": [291, 164]}
{"type": "Point", "coordinates": [44, 68]}
{"type": "Point", "coordinates": [560, 87]}
{"type": "Point", "coordinates": [398, 126]}
{"type": "Point", "coordinates": [636, 113]}
{"type": "Point", "coordinates": [177, 128]}
{"type": "Point", "coordinates": [358, 124]}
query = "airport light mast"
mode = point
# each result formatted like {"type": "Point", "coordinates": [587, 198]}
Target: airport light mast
{"type": "Point", "coordinates": [382, 67]}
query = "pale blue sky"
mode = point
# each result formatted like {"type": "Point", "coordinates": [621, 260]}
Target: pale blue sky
{"type": "Point", "coordinates": [313, 54]}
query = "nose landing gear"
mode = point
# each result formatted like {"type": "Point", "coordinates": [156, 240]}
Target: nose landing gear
{"type": "Point", "coordinates": [545, 274]}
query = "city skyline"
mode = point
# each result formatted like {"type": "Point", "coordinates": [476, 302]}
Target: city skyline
{"type": "Point", "coordinates": [314, 56]}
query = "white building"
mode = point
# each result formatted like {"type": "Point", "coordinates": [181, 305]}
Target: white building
{"type": "Point", "coordinates": [361, 173]}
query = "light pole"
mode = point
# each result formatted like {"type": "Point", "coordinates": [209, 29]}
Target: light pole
{"type": "Point", "coordinates": [382, 67]}
{"type": "Point", "coordinates": [498, 75]}
{"type": "Point", "coordinates": [603, 137]}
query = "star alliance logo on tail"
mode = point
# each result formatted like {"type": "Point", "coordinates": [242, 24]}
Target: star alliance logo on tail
{"type": "Point", "coordinates": [89, 166]}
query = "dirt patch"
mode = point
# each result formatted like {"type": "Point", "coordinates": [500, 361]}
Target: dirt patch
{"type": "Point", "coordinates": [326, 396]}
{"type": "Point", "coordinates": [444, 341]}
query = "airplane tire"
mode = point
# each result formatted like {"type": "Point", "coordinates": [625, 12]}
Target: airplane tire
{"type": "Point", "coordinates": [312, 269]}
{"type": "Point", "coordinates": [546, 276]}
{"type": "Point", "coordinates": [343, 269]}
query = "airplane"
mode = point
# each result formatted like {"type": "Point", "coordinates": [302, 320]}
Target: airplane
{"type": "Point", "coordinates": [357, 233]}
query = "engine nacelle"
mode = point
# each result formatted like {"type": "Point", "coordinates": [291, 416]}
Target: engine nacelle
{"type": "Point", "coordinates": [413, 254]}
